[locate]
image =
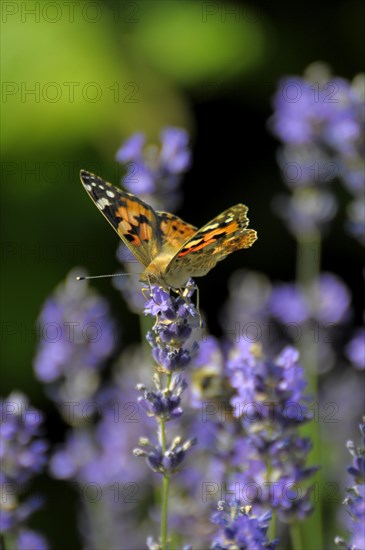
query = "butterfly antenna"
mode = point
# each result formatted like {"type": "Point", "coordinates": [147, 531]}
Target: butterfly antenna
{"type": "Point", "coordinates": [87, 277]}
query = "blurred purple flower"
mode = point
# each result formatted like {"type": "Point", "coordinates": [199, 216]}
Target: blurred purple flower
{"type": "Point", "coordinates": [97, 457]}
{"type": "Point", "coordinates": [271, 405]}
{"type": "Point", "coordinates": [132, 149]}
{"type": "Point", "coordinates": [333, 300]}
{"type": "Point", "coordinates": [307, 211]}
{"type": "Point", "coordinates": [355, 349]}
{"type": "Point", "coordinates": [31, 540]}
{"type": "Point", "coordinates": [319, 120]}
{"type": "Point", "coordinates": [328, 113]}
{"type": "Point", "coordinates": [353, 176]}
{"type": "Point", "coordinates": [155, 174]}
{"type": "Point", "coordinates": [175, 155]}
{"type": "Point", "coordinates": [103, 453]}
{"type": "Point", "coordinates": [23, 455]}
{"type": "Point", "coordinates": [22, 449]}
{"type": "Point", "coordinates": [245, 314]}
{"type": "Point", "coordinates": [78, 338]}
{"type": "Point", "coordinates": [288, 304]}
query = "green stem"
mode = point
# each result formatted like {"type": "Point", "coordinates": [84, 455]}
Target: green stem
{"type": "Point", "coordinates": [165, 499]}
{"type": "Point", "coordinates": [146, 325]}
{"type": "Point", "coordinates": [308, 270]}
{"type": "Point", "coordinates": [295, 537]}
{"type": "Point", "coordinates": [272, 525]}
{"type": "Point", "coordinates": [271, 534]}
{"type": "Point", "coordinates": [8, 541]}
{"type": "Point", "coordinates": [165, 481]}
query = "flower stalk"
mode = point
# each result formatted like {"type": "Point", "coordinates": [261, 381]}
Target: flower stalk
{"type": "Point", "coordinates": [172, 349]}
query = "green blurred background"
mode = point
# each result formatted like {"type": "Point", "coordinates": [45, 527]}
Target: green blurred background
{"type": "Point", "coordinates": [79, 78]}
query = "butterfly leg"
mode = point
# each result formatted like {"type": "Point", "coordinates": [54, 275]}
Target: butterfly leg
{"type": "Point", "coordinates": [184, 293]}
{"type": "Point", "coordinates": [144, 291]}
{"type": "Point", "coordinates": [147, 289]}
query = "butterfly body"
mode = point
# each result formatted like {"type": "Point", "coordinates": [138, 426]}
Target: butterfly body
{"type": "Point", "coordinates": [171, 250]}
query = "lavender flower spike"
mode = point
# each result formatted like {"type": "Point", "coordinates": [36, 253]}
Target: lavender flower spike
{"type": "Point", "coordinates": [173, 346]}
{"type": "Point", "coordinates": [155, 172]}
{"type": "Point", "coordinates": [78, 337]}
{"type": "Point", "coordinates": [239, 529]}
{"type": "Point", "coordinates": [23, 455]}
{"type": "Point", "coordinates": [170, 336]}
{"type": "Point", "coordinates": [355, 501]}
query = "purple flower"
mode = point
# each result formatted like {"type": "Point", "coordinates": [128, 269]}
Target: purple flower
{"type": "Point", "coordinates": [164, 404]}
{"type": "Point", "coordinates": [176, 318]}
{"type": "Point", "coordinates": [319, 120]}
{"type": "Point", "coordinates": [355, 501]}
{"type": "Point", "coordinates": [160, 302]}
{"type": "Point", "coordinates": [270, 402]}
{"type": "Point", "coordinates": [78, 337]}
{"type": "Point", "coordinates": [288, 304]}
{"type": "Point", "coordinates": [332, 301]}
{"type": "Point", "coordinates": [132, 149]}
{"type": "Point", "coordinates": [175, 155]}
{"type": "Point", "coordinates": [272, 389]}
{"type": "Point", "coordinates": [31, 540]}
{"type": "Point", "coordinates": [355, 349]}
{"type": "Point", "coordinates": [307, 112]}
{"type": "Point", "coordinates": [246, 307]}
{"type": "Point", "coordinates": [102, 453]}
{"type": "Point", "coordinates": [23, 455]}
{"type": "Point", "coordinates": [155, 173]}
{"type": "Point", "coordinates": [22, 449]}
{"type": "Point", "coordinates": [240, 529]}
{"type": "Point", "coordinates": [331, 305]}
{"type": "Point", "coordinates": [164, 462]}
{"type": "Point", "coordinates": [14, 513]}
{"type": "Point", "coordinates": [353, 175]}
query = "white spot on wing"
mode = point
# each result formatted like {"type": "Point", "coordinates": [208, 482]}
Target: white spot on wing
{"type": "Point", "coordinates": [211, 226]}
{"type": "Point", "coordinates": [102, 203]}
{"type": "Point", "coordinates": [193, 243]}
{"type": "Point", "coordinates": [88, 187]}
{"type": "Point", "coordinates": [110, 194]}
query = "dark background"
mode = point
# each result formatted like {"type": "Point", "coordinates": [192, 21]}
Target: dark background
{"type": "Point", "coordinates": [216, 78]}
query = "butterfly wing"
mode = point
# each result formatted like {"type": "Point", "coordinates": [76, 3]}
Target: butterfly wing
{"type": "Point", "coordinates": [136, 223]}
{"type": "Point", "coordinates": [212, 243]}
{"type": "Point", "coordinates": [174, 231]}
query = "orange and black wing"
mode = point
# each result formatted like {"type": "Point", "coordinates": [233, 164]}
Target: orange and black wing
{"type": "Point", "coordinates": [223, 235]}
{"type": "Point", "coordinates": [136, 223]}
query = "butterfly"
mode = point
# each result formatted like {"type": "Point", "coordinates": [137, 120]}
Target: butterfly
{"type": "Point", "coordinates": [171, 250]}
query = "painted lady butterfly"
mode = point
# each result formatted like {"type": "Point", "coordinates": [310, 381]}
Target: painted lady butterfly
{"type": "Point", "coordinates": [171, 250]}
